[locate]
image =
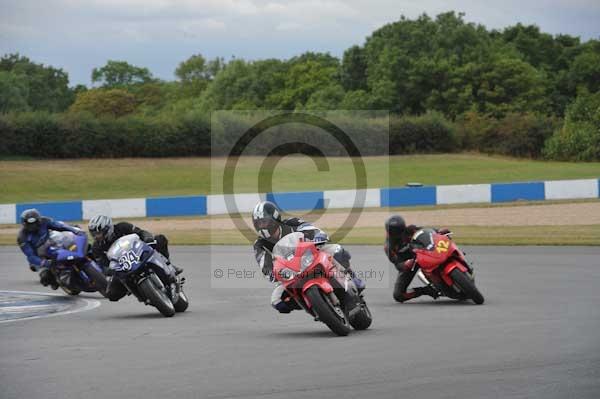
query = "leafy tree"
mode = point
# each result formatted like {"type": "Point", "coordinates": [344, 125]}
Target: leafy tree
{"type": "Point", "coordinates": [14, 92]}
{"type": "Point", "coordinates": [579, 138]}
{"type": "Point", "coordinates": [327, 98]}
{"type": "Point", "coordinates": [105, 102]}
{"type": "Point", "coordinates": [356, 100]}
{"type": "Point", "coordinates": [354, 69]}
{"type": "Point", "coordinates": [195, 73]}
{"type": "Point", "coordinates": [246, 83]}
{"type": "Point", "coordinates": [585, 71]}
{"type": "Point", "coordinates": [302, 80]}
{"type": "Point", "coordinates": [504, 85]}
{"type": "Point", "coordinates": [410, 60]}
{"type": "Point", "coordinates": [537, 48]}
{"type": "Point", "coordinates": [48, 87]}
{"type": "Point", "coordinates": [117, 74]}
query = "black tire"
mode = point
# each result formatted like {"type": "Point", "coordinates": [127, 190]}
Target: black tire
{"type": "Point", "coordinates": [324, 310]}
{"type": "Point", "coordinates": [363, 319]}
{"type": "Point", "coordinates": [467, 286]}
{"type": "Point", "coordinates": [182, 303]}
{"type": "Point", "coordinates": [157, 297]}
{"type": "Point", "coordinates": [98, 278]}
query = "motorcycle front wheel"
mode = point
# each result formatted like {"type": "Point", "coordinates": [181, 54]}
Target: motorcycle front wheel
{"type": "Point", "coordinates": [466, 285]}
{"type": "Point", "coordinates": [182, 303]}
{"type": "Point", "coordinates": [363, 318]}
{"type": "Point", "coordinates": [327, 312]}
{"type": "Point", "coordinates": [97, 277]}
{"type": "Point", "coordinates": [157, 297]}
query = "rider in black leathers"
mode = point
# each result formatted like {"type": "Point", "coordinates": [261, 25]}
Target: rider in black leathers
{"type": "Point", "coordinates": [267, 221]}
{"type": "Point", "coordinates": [105, 234]}
{"type": "Point", "coordinates": [398, 251]}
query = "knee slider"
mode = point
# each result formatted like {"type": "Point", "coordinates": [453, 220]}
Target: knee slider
{"type": "Point", "coordinates": [342, 256]}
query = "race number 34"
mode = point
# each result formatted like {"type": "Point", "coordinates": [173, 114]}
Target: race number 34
{"type": "Point", "coordinates": [128, 260]}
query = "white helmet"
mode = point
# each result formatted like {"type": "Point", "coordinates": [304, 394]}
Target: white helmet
{"type": "Point", "coordinates": [101, 228]}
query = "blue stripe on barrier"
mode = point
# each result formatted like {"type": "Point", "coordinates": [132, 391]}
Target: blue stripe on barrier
{"type": "Point", "coordinates": [297, 201]}
{"type": "Point", "coordinates": [506, 192]}
{"type": "Point", "coordinates": [176, 206]}
{"type": "Point", "coordinates": [408, 196]}
{"type": "Point", "coordinates": [598, 188]}
{"type": "Point", "coordinates": [67, 211]}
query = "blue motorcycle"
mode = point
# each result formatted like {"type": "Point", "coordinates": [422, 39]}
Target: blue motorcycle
{"type": "Point", "coordinates": [147, 274]}
{"type": "Point", "coordinates": [72, 269]}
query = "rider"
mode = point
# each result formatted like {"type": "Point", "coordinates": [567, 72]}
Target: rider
{"type": "Point", "coordinates": [33, 238]}
{"type": "Point", "coordinates": [105, 233]}
{"type": "Point", "coordinates": [267, 221]}
{"type": "Point", "coordinates": [398, 251]}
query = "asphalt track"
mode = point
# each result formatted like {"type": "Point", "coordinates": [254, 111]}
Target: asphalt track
{"type": "Point", "coordinates": [537, 336]}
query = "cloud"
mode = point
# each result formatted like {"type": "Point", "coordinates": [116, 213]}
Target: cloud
{"type": "Point", "coordinates": [151, 31]}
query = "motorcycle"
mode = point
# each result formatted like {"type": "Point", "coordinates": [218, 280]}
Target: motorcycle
{"type": "Point", "coordinates": [318, 285]}
{"type": "Point", "coordinates": [72, 269]}
{"type": "Point", "coordinates": [443, 265]}
{"type": "Point", "coordinates": [147, 274]}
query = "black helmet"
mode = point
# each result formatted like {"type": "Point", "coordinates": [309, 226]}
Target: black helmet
{"type": "Point", "coordinates": [31, 220]}
{"type": "Point", "coordinates": [266, 218]}
{"type": "Point", "coordinates": [101, 228]}
{"type": "Point", "coordinates": [395, 226]}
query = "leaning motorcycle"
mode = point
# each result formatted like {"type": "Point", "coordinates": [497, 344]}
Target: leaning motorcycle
{"type": "Point", "coordinates": [72, 269]}
{"type": "Point", "coordinates": [442, 264]}
{"type": "Point", "coordinates": [147, 274]}
{"type": "Point", "coordinates": [322, 288]}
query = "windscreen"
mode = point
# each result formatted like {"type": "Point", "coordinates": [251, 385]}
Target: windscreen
{"type": "Point", "coordinates": [286, 247]}
{"type": "Point", "coordinates": [124, 243]}
{"type": "Point", "coordinates": [423, 239]}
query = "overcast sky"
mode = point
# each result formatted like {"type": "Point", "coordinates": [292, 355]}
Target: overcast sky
{"type": "Point", "coordinates": [78, 35]}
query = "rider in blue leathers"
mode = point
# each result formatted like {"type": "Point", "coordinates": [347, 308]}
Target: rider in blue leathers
{"type": "Point", "coordinates": [32, 240]}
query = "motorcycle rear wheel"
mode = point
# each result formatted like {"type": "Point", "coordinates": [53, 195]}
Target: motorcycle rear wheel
{"type": "Point", "coordinates": [467, 286]}
{"type": "Point", "coordinates": [157, 297]}
{"type": "Point", "coordinates": [326, 313]}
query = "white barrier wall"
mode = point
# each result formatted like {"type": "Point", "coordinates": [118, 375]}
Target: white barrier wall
{"type": "Point", "coordinates": [571, 189]}
{"type": "Point", "coordinates": [463, 194]}
{"type": "Point", "coordinates": [291, 201]}
{"type": "Point", "coordinates": [345, 198]}
{"type": "Point", "coordinates": [215, 204]}
{"type": "Point", "coordinates": [8, 213]}
{"type": "Point", "coordinates": [115, 208]}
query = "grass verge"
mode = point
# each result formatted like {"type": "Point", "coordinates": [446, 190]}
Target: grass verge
{"type": "Point", "coordinates": [50, 180]}
{"type": "Point", "coordinates": [463, 235]}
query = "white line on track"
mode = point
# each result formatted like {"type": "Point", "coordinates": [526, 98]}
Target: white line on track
{"type": "Point", "coordinates": [89, 305]}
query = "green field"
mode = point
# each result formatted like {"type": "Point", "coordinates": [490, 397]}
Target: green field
{"type": "Point", "coordinates": [47, 180]}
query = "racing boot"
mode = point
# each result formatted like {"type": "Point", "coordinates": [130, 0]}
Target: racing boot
{"type": "Point", "coordinates": [427, 290]}
{"type": "Point", "coordinates": [360, 284]}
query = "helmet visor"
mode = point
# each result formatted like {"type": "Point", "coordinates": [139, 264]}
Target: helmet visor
{"type": "Point", "coordinates": [264, 223]}
{"type": "Point", "coordinates": [31, 225]}
{"type": "Point", "coordinates": [98, 235]}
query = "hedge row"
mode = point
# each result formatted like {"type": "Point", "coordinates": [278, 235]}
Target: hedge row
{"type": "Point", "coordinates": [48, 135]}
{"type": "Point", "coordinates": [79, 135]}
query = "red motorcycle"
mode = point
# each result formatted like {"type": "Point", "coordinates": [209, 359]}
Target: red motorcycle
{"type": "Point", "coordinates": [444, 266]}
{"type": "Point", "coordinates": [318, 285]}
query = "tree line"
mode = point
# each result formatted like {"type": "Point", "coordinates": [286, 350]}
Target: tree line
{"type": "Point", "coordinates": [516, 91]}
